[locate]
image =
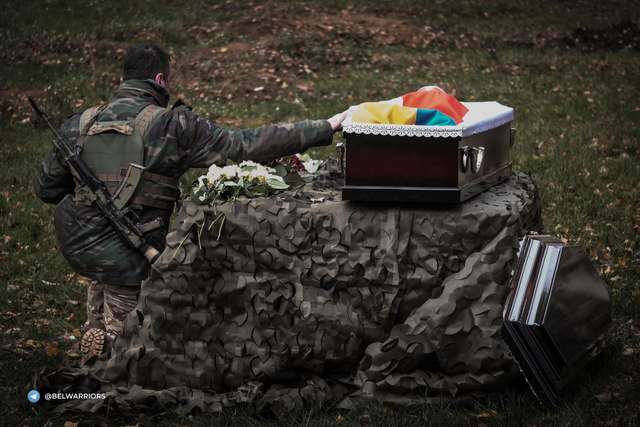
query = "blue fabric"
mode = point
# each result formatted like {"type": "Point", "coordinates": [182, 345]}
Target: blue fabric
{"type": "Point", "coordinates": [429, 117]}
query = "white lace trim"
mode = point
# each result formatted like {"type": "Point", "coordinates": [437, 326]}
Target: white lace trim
{"type": "Point", "coordinates": [402, 130]}
{"type": "Point", "coordinates": [481, 117]}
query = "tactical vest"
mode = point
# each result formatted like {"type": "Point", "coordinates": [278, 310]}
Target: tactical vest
{"type": "Point", "coordinates": [114, 150]}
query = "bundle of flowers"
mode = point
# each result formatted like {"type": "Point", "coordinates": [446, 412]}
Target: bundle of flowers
{"type": "Point", "coordinates": [226, 183]}
{"type": "Point", "coordinates": [302, 163]}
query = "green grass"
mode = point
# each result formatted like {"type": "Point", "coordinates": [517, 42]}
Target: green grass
{"type": "Point", "coordinates": [578, 133]}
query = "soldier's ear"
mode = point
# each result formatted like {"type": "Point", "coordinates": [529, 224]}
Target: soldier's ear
{"type": "Point", "coordinates": [161, 80]}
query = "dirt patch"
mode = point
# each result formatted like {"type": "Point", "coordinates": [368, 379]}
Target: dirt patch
{"type": "Point", "coordinates": [624, 35]}
{"type": "Point", "coordinates": [259, 52]}
{"type": "Point", "coordinates": [616, 37]}
{"type": "Point", "coordinates": [377, 30]}
{"type": "Point", "coordinates": [277, 50]}
{"type": "Point", "coordinates": [58, 48]}
{"type": "Point", "coordinates": [272, 56]}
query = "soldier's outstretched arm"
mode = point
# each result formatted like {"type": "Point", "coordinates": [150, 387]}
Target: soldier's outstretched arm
{"type": "Point", "coordinates": [53, 180]}
{"type": "Point", "coordinates": [212, 144]}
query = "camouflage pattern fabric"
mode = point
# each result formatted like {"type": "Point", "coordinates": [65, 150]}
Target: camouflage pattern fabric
{"type": "Point", "coordinates": [119, 301]}
{"type": "Point", "coordinates": [95, 305]}
{"type": "Point", "coordinates": [306, 298]}
{"type": "Point", "coordinates": [108, 305]}
{"type": "Point", "coordinates": [176, 141]}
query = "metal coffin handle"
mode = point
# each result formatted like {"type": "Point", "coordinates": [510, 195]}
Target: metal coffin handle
{"type": "Point", "coordinates": [340, 150]}
{"type": "Point", "coordinates": [471, 158]}
{"type": "Point", "coordinates": [464, 159]}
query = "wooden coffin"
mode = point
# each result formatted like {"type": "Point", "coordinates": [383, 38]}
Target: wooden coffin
{"type": "Point", "coordinates": [411, 163]}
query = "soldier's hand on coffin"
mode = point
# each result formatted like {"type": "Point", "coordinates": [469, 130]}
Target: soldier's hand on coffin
{"type": "Point", "coordinates": [336, 121]}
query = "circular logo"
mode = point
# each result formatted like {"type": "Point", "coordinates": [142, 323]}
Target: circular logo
{"type": "Point", "coordinates": [33, 396]}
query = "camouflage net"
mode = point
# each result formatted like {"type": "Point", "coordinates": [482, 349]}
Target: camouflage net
{"type": "Point", "coordinates": [306, 298]}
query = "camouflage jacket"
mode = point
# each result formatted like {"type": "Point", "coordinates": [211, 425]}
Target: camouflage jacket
{"type": "Point", "coordinates": [178, 139]}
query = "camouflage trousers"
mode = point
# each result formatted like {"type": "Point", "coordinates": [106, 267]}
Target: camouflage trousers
{"type": "Point", "coordinates": [108, 305]}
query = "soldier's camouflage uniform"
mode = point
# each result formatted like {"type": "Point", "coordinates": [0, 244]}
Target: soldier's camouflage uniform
{"type": "Point", "coordinates": [177, 139]}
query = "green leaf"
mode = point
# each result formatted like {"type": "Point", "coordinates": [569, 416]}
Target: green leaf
{"type": "Point", "coordinates": [277, 184]}
{"type": "Point", "coordinates": [281, 170]}
{"type": "Point", "coordinates": [293, 179]}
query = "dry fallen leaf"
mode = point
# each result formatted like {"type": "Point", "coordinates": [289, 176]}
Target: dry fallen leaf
{"type": "Point", "coordinates": [51, 349]}
{"type": "Point", "coordinates": [303, 87]}
{"type": "Point", "coordinates": [30, 344]}
{"type": "Point", "coordinates": [487, 414]}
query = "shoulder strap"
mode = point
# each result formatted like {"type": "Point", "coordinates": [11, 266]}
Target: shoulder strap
{"type": "Point", "coordinates": [87, 118]}
{"type": "Point", "coordinates": [146, 116]}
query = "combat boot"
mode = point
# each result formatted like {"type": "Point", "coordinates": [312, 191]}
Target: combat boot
{"type": "Point", "coordinates": [94, 343]}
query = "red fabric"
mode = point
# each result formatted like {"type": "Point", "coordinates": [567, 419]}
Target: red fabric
{"type": "Point", "coordinates": [436, 99]}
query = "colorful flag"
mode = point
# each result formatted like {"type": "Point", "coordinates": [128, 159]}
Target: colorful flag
{"type": "Point", "coordinates": [433, 97]}
{"type": "Point", "coordinates": [430, 106]}
{"type": "Point", "coordinates": [385, 113]}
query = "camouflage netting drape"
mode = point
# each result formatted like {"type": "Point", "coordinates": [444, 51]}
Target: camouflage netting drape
{"type": "Point", "coordinates": [305, 298]}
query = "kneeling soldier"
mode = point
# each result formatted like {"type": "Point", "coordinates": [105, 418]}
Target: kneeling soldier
{"type": "Point", "coordinates": [139, 148]}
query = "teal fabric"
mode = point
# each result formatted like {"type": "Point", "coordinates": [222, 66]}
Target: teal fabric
{"type": "Point", "coordinates": [429, 117]}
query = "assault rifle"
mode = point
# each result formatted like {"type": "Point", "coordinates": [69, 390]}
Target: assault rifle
{"type": "Point", "coordinates": [123, 220]}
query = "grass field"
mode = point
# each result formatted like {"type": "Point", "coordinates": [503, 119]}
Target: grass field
{"type": "Point", "coordinates": [570, 69]}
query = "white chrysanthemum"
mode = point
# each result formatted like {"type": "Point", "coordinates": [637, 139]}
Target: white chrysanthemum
{"type": "Point", "coordinates": [310, 165]}
{"type": "Point", "coordinates": [249, 163]}
{"type": "Point", "coordinates": [230, 171]}
{"type": "Point", "coordinates": [213, 174]}
{"type": "Point", "coordinates": [259, 173]}
{"type": "Point", "coordinates": [252, 171]}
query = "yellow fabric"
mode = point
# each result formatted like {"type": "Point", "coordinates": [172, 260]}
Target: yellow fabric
{"type": "Point", "coordinates": [382, 112]}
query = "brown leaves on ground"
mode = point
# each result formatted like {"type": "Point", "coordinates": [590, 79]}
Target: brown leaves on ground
{"type": "Point", "coordinates": [276, 50]}
{"type": "Point", "coordinates": [33, 312]}
{"type": "Point", "coordinates": [278, 57]}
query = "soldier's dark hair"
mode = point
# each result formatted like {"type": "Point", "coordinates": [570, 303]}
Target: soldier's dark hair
{"type": "Point", "coordinates": [144, 62]}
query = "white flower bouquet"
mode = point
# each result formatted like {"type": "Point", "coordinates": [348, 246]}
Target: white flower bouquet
{"type": "Point", "coordinates": [226, 183]}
